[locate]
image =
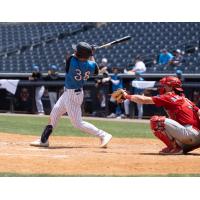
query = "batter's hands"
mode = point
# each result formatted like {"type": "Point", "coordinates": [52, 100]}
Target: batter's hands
{"type": "Point", "coordinates": [94, 47]}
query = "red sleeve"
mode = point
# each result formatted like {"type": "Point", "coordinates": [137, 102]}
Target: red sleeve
{"type": "Point", "coordinates": [161, 100]}
{"type": "Point", "coordinates": [196, 109]}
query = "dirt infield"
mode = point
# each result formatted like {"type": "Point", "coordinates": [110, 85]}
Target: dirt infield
{"type": "Point", "coordinates": [82, 156]}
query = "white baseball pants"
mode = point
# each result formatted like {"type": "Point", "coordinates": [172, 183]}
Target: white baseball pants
{"type": "Point", "coordinates": [70, 102]}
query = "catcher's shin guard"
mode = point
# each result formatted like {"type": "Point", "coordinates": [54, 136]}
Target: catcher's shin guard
{"type": "Point", "coordinates": [164, 138]}
{"type": "Point", "coordinates": [158, 127]}
{"type": "Point", "coordinates": [157, 123]}
{"type": "Point", "coordinates": [46, 133]}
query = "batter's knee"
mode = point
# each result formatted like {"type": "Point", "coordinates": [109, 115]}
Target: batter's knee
{"type": "Point", "coordinates": [157, 123]}
{"type": "Point", "coordinates": [55, 112]}
{"type": "Point", "coordinates": [77, 125]}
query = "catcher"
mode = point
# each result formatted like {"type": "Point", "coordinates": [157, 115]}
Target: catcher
{"type": "Point", "coordinates": [181, 131]}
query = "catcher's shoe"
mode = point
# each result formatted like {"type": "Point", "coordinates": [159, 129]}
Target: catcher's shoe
{"type": "Point", "coordinates": [105, 140]}
{"type": "Point", "coordinates": [38, 143]}
{"type": "Point", "coordinates": [177, 151]}
{"type": "Point", "coordinates": [171, 151]}
{"type": "Point", "coordinates": [165, 151]}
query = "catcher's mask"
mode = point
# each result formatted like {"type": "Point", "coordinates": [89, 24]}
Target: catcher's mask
{"type": "Point", "coordinates": [82, 50]}
{"type": "Point", "coordinates": [171, 81]}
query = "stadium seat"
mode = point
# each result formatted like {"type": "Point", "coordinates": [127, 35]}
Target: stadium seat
{"type": "Point", "coordinates": [47, 43]}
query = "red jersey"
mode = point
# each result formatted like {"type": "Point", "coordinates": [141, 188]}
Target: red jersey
{"type": "Point", "coordinates": [179, 108]}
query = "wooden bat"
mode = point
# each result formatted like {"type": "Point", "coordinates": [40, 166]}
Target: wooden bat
{"type": "Point", "coordinates": [126, 38]}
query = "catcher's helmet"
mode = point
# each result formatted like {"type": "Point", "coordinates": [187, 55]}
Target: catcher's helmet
{"type": "Point", "coordinates": [83, 50]}
{"type": "Point", "coordinates": [172, 81]}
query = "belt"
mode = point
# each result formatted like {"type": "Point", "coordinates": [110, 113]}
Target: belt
{"type": "Point", "coordinates": [195, 128]}
{"type": "Point", "coordinates": [75, 90]}
{"type": "Point", "coordinates": [78, 90]}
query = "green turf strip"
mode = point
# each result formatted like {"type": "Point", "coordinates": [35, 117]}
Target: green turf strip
{"type": "Point", "coordinates": [28, 125]}
{"type": "Point", "coordinates": [7, 174]}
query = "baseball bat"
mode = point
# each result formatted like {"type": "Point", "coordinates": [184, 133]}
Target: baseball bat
{"type": "Point", "coordinates": [123, 39]}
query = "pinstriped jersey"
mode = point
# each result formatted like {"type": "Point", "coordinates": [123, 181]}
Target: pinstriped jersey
{"type": "Point", "coordinates": [78, 73]}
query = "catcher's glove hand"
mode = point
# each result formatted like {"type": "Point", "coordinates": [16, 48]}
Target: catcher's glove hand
{"type": "Point", "coordinates": [119, 95]}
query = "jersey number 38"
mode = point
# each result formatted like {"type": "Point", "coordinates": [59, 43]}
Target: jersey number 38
{"type": "Point", "coordinates": [80, 77]}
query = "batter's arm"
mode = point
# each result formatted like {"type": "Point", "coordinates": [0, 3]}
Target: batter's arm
{"type": "Point", "coordinates": [67, 64]}
{"type": "Point", "coordinates": [96, 71]}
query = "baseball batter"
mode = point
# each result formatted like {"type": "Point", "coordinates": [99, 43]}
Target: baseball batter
{"type": "Point", "coordinates": [181, 131]}
{"type": "Point", "coordinates": [79, 67]}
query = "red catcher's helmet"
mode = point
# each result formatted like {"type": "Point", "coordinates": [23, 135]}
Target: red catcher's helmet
{"type": "Point", "coordinates": [171, 81]}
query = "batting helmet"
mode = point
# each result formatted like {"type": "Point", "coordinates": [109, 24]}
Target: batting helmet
{"type": "Point", "coordinates": [171, 81]}
{"type": "Point", "coordinates": [83, 50]}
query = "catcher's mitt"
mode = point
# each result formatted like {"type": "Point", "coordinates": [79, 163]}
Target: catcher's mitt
{"type": "Point", "coordinates": [118, 95]}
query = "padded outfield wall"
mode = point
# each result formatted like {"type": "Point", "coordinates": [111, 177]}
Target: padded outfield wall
{"type": "Point", "coordinates": [7, 101]}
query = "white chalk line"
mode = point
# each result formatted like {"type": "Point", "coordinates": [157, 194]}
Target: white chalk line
{"type": "Point", "coordinates": [34, 155]}
{"type": "Point", "coordinates": [24, 146]}
{"type": "Point", "coordinates": [13, 143]}
{"type": "Point", "coordinates": [54, 156]}
{"type": "Point", "coordinates": [36, 149]}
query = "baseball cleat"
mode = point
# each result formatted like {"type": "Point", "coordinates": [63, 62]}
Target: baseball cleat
{"type": "Point", "coordinates": [38, 143]}
{"type": "Point", "coordinates": [177, 151]}
{"type": "Point", "coordinates": [105, 140]}
{"type": "Point", "coordinates": [171, 151]}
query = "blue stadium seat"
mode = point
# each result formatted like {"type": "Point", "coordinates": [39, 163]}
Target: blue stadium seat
{"type": "Point", "coordinates": [148, 39]}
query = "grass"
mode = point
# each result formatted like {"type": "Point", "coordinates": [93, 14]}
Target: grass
{"type": "Point", "coordinates": [8, 174]}
{"type": "Point", "coordinates": [28, 125]}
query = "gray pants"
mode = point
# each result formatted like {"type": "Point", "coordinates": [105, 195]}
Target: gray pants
{"type": "Point", "coordinates": [185, 136]}
{"type": "Point", "coordinates": [39, 91]}
{"type": "Point", "coordinates": [140, 110]}
{"type": "Point", "coordinates": [139, 107]}
{"type": "Point", "coordinates": [52, 98]}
